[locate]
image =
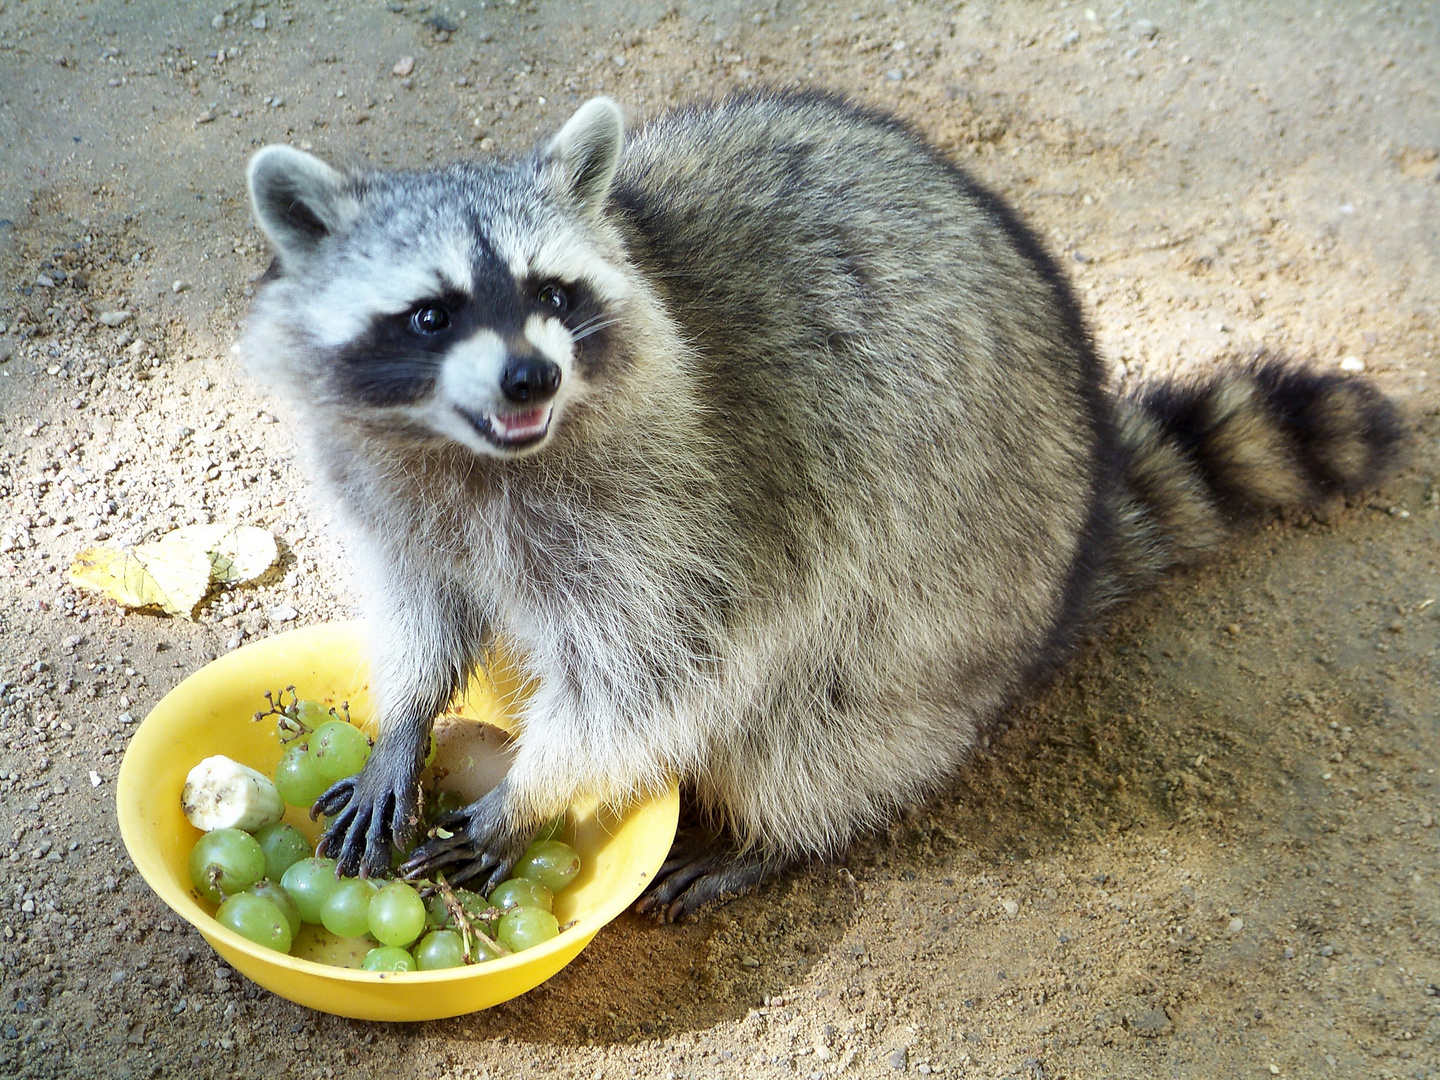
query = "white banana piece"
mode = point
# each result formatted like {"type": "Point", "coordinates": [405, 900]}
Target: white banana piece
{"type": "Point", "coordinates": [220, 793]}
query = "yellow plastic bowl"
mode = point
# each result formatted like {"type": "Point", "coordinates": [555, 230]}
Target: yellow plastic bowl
{"type": "Point", "coordinates": [211, 713]}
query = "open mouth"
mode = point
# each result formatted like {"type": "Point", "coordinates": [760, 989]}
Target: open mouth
{"type": "Point", "coordinates": [512, 430]}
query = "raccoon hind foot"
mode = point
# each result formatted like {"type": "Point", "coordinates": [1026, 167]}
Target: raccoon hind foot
{"type": "Point", "coordinates": [704, 868]}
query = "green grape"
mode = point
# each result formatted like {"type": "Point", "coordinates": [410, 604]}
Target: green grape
{"type": "Point", "coordinates": [437, 915]}
{"type": "Point", "coordinates": [316, 943]}
{"type": "Point", "coordinates": [388, 958]}
{"type": "Point", "coordinates": [551, 830]}
{"type": "Point", "coordinates": [472, 903]}
{"type": "Point", "coordinates": [549, 862]}
{"type": "Point", "coordinates": [309, 882]}
{"type": "Point", "coordinates": [346, 911]}
{"type": "Point", "coordinates": [439, 949]}
{"type": "Point", "coordinates": [297, 779]}
{"type": "Point", "coordinates": [257, 919]}
{"type": "Point", "coordinates": [284, 845]}
{"type": "Point", "coordinates": [480, 951]}
{"type": "Point", "coordinates": [522, 892]}
{"type": "Point", "coordinates": [521, 928]}
{"type": "Point", "coordinates": [338, 750]}
{"type": "Point", "coordinates": [312, 713]}
{"type": "Point", "coordinates": [266, 889]}
{"type": "Point", "coordinates": [397, 914]}
{"type": "Point", "coordinates": [225, 861]}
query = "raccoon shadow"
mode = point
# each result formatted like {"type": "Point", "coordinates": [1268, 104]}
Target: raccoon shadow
{"type": "Point", "coordinates": [639, 981]}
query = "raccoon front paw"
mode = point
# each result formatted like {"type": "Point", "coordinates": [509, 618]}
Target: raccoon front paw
{"type": "Point", "coordinates": [476, 846]}
{"type": "Point", "coordinates": [367, 813]}
{"type": "Point", "coordinates": [703, 868]}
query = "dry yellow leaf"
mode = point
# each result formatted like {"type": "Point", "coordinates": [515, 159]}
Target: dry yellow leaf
{"type": "Point", "coordinates": [175, 581]}
{"type": "Point", "coordinates": [118, 575]}
{"type": "Point", "coordinates": [182, 571]}
{"type": "Point", "coordinates": [242, 554]}
{"type": "Point", "coordinates": [176, 571]}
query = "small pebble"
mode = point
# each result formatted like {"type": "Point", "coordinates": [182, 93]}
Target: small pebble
{"type": "Point", "coordinates": [749, 962]}
{"type": "Point", "coordinates": [1011, 908]}
{"type": "Point", "coordinates": [404, 66]}
{"type": "Point", "coordinates": [45, 281]}
{"type": "Point", "coordinates": [179, 286]}
{"type": "Point", "coordinates": [1352, 363]}
{"type": "Point", "coordinates": [283, 613]}
{"type": "Point", "coordinates": [1149, 1023]}
{"type": "Point", "coordinates": [1236, 925]}
{"type": "Point", "coordinates": [259, 21]}
{"type": "Point", "coordinates": [218, 22]}
{"type": "Point", "coordinates": [94, 778]}
{"type": "Point", "coordinates": [898, 1058]}
{"type": "Point", "coordinates": [1144, 28]}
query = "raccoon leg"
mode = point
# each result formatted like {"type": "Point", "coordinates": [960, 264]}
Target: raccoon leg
{"type": "Point", "coordinates": [429, 636]}
{"type": "Point", "coordinates": [704, 867]}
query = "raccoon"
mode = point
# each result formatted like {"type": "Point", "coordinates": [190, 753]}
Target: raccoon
{"type": "Point", "coordinates": [774, 443]}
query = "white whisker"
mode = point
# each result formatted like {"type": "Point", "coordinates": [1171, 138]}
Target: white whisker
{"type": "Point", "coordinates": [594, 326]}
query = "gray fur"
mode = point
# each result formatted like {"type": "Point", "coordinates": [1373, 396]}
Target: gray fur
{"type": "Point", "coordinates": [833, 482]}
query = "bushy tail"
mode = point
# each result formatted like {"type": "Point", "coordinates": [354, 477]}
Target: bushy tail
{"type": "Point", "coordinates": [1200, 455]}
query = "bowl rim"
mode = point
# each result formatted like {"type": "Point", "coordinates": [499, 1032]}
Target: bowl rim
{"type": "Point", "coordinates": [156, 875]}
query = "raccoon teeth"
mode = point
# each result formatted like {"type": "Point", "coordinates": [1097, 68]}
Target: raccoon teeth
{"type": "Point", "coordinates": [519, 427]}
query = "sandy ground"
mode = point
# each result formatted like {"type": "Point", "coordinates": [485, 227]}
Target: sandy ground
{"type": "Point", "coordinates": [1207, 851]}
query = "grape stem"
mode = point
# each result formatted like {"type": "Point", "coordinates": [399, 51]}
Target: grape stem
{"type": "Point", "coordinates": [289, 726]}
{"type": "Point", "coordinates": [213, 875]}
{"type": "Point", "coordinates": [462, 920]}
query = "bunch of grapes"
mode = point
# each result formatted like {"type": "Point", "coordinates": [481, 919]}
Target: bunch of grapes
{"type": "Point", "coordinates": [270, 885]}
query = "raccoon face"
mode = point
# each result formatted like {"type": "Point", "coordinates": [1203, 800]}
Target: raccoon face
{"type": "Point", "coordinates": [472, 303]}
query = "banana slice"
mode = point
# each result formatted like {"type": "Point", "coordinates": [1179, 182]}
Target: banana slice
{"type": "Point", "coordinates": [220, 793]}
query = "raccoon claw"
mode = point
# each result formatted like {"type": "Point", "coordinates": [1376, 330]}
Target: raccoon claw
{"type": "Point", "coordinates": [361, 825]}
{"type": "Point", "coordinates": [702, 871]}
{"type": "Point", "coordinates": [482, 848]}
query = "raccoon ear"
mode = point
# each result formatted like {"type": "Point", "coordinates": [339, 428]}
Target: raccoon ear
{"type": "Point", "coordinates": [586, 151]}
{"type": "Point", "coordinates": [298, 200]}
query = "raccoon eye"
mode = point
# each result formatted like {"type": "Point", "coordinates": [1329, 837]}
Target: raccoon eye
{"type": "Point", "coordinates": [430, 320]}
{"type": "Point", "coordinates": [553, 298]}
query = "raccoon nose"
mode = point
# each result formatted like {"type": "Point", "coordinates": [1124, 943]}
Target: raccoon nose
{"type": "Point", "coordinates": [529, 378]}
